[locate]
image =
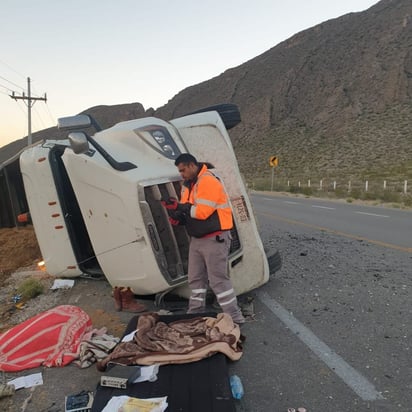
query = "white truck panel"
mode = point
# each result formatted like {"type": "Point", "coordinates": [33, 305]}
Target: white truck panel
{"type": "Point", "coordinates": [109, 203]}
{"type": "Point", "coordinates": [210, 142]}
{"type": "Point", "coordinates": [46, 213]}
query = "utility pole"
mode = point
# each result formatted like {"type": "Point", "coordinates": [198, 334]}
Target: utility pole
{"type": "Point", "coordinates": [30, 102]}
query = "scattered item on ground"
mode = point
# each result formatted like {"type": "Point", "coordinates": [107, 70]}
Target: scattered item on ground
{"type": "Point", "coordinates": [35, 379]}
{"type": "Point", "coordinates": [297, 409]}
{"type": "Point", "coordinates": [29, 289]}
{"type": "Point", "coordinates": [62, 284]}
{"type": "Point", "coordinates": [94, 346]}
{"type": "Point", "coordinates": [6, 389]}
{"type": "Point", "coordinates": [119, 376]}
{"type": "Point", "coordinates": [130, 404]}
{"type": "Point", "coordinates": [16, 298]}
{"type": "Point", "coordinates": [80, 402]}
{"type": "Point", "coordinates": [182, 341]}
{"type": "Point", "coordinates": [51, 338]}
{"type": "Point", "coordinates": [124, 300]}
{"type": "Point", "coordinates": [236, 387]}
{"type": "Point", "coordinates": [129, 337]}
{"type": "Point", "coordinates": [147, 373]}
{"type": "Point", "coordinates": [163, 312]}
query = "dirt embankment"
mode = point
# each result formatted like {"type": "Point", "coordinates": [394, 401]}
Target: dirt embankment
{"type": "Point", "coordinates": [19, 251]}
{"type": "Point", "coordinates": [18, 248]}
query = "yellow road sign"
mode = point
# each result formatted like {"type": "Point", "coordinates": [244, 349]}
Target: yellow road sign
{"type": "Point", "coordinates": [273, 161]}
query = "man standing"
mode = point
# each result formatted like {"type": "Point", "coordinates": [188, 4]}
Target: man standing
{"type": "Point", "coordinates": [205, 210]}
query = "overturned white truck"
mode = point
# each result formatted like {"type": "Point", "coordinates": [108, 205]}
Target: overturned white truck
{"type": "Point", "coordinates": [95, 201]}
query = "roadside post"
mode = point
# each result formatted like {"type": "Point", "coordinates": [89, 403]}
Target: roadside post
{"type": "Point", "coordinates": [273, 162]}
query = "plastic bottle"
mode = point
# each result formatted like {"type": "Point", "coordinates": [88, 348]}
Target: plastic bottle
{"type": "Point", "coordinates": [236, 387]}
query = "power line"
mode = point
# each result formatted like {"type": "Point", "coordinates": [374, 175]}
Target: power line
{"type": "Point", "coordinates": [49, 113]}
{"type": "Point", "coordinates": [30, 102]}
{"type": "Point", "coordinates": [52, 117]}
{"type": "Point", "coordinates": [9, 81]}
{"type": "Point", "coordinates": [11, 68]}
{"type": "Point", "coordinates": [39, 118]}
{"type": "Point", "coordinates": [7, 88]}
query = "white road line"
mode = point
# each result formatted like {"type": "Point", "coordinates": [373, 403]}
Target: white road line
{"type": "Point", "coordinates": [291, 203]}
{"type": "Point", "coordinates": [372, 214]}
{"type": "Point", "coordinates": [357, 382]}
{"type": "Point", "coordinates": [324, 207]}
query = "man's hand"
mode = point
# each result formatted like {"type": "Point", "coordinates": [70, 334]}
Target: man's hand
{"type": "Point", "coordinates": [170, 203]}
{"type": "Point", "coordinates": [174, 222]}
{"type": "Point", "coordinates": [184, 208]}
{"type": "Point", "coordinates": [173, 204]}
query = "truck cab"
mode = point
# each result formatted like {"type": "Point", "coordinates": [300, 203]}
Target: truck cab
{"type": "Point", "coordinates": [95, 201]}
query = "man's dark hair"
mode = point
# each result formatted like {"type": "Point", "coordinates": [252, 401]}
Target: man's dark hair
{"type": "Point", "coordinates": [185, 158]}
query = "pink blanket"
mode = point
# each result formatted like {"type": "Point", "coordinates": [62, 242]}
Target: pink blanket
{"type": "Point", "coordinates": [51, 338]}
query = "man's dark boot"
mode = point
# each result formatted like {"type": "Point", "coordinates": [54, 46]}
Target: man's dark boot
{"type": "Point", "coordinates": [129, 303]}
{"type": "Point", "coordinates": [117, 298]}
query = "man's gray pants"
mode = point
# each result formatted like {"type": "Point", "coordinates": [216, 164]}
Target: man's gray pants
{"type": "Point", "coordinates": [208, 266]}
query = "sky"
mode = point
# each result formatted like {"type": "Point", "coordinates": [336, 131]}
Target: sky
{"type": "Point", "coordinates": [103, 52]}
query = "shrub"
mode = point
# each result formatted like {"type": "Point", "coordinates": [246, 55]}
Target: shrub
{"type": "Point", "coordinates": [340, 192]}
{"type": "Point", "coordinates": [369, 196]}
{"type": "Point", "coordinates": [307, 191]}
{"type": "Point", "coordinates": [29, 289]}
{"type": "Point", "coordinates": [356, 193]}
{"type": "Point", "coordinates": [407, 201]}
{"type": "Point", "coordinates": [294, 189]}
{"type": "Point", "coordinates": [388, 196]}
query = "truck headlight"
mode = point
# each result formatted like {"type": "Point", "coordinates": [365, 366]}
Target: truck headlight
{"type": "Point", "coordinates": [160, 139]}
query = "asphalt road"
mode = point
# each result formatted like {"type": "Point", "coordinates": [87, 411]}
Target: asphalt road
{"type": "Point", "coordinates": [332, 327]}
{"type": "Point", "coordinates": [389, 227]}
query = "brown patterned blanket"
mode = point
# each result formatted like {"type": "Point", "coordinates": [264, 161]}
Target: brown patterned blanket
{"type": "Point", "coordinates": [182, 341]}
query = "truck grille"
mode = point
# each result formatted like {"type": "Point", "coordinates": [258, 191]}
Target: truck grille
{"type": "Point", "coordinates": [170, 243]}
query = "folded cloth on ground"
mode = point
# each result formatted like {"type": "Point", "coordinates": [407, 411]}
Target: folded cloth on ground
{"type": "Point", "coordinates": [95, 345]}
{"type": "Point", "coordinates": [51, 338]}
{"type": "Point", "coordinates": [182, 341]}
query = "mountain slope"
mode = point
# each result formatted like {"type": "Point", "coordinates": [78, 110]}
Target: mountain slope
{"type": "Point", "coordinates": [332, 101]}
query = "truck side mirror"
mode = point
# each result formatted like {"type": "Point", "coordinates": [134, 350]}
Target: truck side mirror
{"type": "Point", "coordinates": [78, 142]}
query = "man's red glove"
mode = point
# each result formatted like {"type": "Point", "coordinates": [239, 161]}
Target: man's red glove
{"type": "Point", "coordinates": [174, 222]}
{"type": "Point", "coordinates": [173, 204]}
{"type": "Point", "coordinates": [170, 203]}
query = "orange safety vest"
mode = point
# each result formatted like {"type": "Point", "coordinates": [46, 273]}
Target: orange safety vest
{"type": "Point", "coordinates": [211, 209]}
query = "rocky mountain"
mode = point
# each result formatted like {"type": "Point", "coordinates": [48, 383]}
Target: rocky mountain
{"type": "Point", "coordinates": [332, 101]}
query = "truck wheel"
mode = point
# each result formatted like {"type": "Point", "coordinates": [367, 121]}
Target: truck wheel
{"type": "Point", "coordinates": [275, 262]}
{"type": "Point", "coordinates": [227, 111]}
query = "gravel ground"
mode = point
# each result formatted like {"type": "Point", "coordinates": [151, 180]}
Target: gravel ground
{"type": "Point", "coordinates": [353, 295]}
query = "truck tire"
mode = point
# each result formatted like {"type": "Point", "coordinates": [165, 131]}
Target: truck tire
{"type": "Point", "coordinates": [229, 113]}
{"type": "Point", "coordinates": [274, 262]}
